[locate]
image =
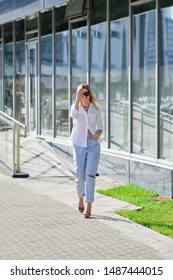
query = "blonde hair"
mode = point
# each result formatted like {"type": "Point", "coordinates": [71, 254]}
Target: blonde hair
{"type": "Point", "coordinates": [92, 97]}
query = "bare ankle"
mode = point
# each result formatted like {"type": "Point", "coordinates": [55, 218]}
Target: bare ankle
{"type": "Point", "coordinates": [81, 202]}
{"type": "Point", "coordinates": [89, 205]}
{"type": "Point", "coordinates": [88, 210]}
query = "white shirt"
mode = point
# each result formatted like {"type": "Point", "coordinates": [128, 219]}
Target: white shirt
{"type": "Point", "coordinates": [82, 121]}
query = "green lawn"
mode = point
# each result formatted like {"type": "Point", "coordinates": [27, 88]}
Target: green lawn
{"type": "Point", "coordinates": [156, 213]}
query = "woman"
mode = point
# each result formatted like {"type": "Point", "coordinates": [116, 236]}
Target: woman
{"type": "Point", "coordinates": [85, 136]}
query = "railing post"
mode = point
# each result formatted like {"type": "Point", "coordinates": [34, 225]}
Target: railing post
{"type": "Point", "coordinates": [17, 148]}
{"type": "Point", "coordinates": [14, 145]}
{"type": "Point", "coordinates": [142, 132]}
{"type": "Point", "coordinates": [16, 153]}
{"type": "Point", "coordinates": [125, 124]}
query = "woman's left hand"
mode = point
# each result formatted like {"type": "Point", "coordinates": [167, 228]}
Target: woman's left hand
{"type": "Point", "coordinates": [96, 137]}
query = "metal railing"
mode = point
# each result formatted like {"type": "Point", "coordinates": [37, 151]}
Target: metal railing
{"type": "Point", "coordinates": [144, 128]}
{"type": "Point", "coordinates": [10, 132]}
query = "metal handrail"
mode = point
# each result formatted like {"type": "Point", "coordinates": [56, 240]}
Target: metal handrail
{"type": "Point", "coordinates": [7, 118]}
{"type": "Point", "coordinates": [18, 130]}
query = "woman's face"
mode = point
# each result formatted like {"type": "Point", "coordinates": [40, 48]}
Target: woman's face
{"type": "Point", "coordinates": [86, 94]}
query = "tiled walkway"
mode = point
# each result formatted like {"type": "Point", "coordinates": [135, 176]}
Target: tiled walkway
{"type": "Point", "coordinates": [39, 219]}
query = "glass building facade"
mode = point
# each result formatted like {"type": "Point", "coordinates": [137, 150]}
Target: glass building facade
{"type": "Point", "coordinates": [123, 49]}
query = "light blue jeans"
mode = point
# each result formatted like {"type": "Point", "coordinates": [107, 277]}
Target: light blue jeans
{"type": "Point", "coordinates": [86, 160]}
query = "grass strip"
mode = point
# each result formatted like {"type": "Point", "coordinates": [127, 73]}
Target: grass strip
{"type": "Point", "coordinates": [156, 213]}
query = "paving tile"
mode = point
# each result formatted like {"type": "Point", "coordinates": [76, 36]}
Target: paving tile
{"type": "Point", "coordinates": [39, 217]}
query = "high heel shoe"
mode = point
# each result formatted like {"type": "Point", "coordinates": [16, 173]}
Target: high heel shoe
{"type": "Point", "coordinates": [87, 214]}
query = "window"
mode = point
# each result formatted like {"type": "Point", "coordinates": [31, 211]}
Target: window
{"type": "Point", "coordinates": [98, 58]}
{"type": "Point", "coordinates": [166, 83]}
{"type": "Point", "coordinates": [119, 76]}
{"type": "Point", "coordinates": [61, 74]}
{"type": "Point", "coordinates": [144, 80]}
{"type": "Point", "coordinates": [46, 73]}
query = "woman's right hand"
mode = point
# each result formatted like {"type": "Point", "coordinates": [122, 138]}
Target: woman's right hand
{"type": "Point", "coordinates": [79, 92]}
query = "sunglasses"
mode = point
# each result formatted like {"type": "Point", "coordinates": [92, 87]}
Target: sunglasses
{"type": "Point", "coordinates": [87, 93]}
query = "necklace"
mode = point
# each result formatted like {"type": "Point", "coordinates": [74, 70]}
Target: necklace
{"type": "Point", "coordinates": [86, 107]}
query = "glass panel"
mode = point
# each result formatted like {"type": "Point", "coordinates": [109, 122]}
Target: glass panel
{"type": "Point", "coordinates": [32, 23]}
{"type": "Point", "coordinates": [20, 30]}
{"type": "Point", "coordinates": [32, 27]}
{"type": "Point", "coordinates": [18, 95]}
{"type": "Point", "coordinates": [20, 83]}
{"type": "Point", "coordinates": [165, 3]}
{"type": "Point", "coordinates": [8, 78]}
{"type": "Point", "coordinates": [46, 23]}
{"type": "Point", "coordinates": [61, 81]}
{"type": "Point", "coordinates": [62, 114]}
{"type": "Point", "coordinates": [1, 89]}
{"type": "Point", "coordinates": [166, 84]}
{"type": "Point", "coordinates": [32, 88]}
{"type": "Point", "coordinates": [46, 85]}
{"type": "Point", "coordinates": [143, 83]}
{"type": "Point", "coordinates": [119, 9]}
{"type": "Point", "coordinates": [79, 55]}
{"type": "Point", "coordinates": [46, 73]}
{"type": "Point", "coordinates": [98, 57]}
{"type": "Point", "coordinates": [142, 8]}
{"type": "Point", "coordinates": [119, 79]}
{"type": "Point", "coordinates": [8, 68]}
{"type": "Point", "coordinates": [6, 143]}
{"type": "Point", "coordinates": [8, 33]}
{"type": "Point", "coordinates": [20, 68]}
{"type": "Point", "coordinates": [1, 84]}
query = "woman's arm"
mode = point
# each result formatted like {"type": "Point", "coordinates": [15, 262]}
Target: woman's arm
{"type": "Point", "coordinates": [99, 126]}
{"type": "Point", "coordinates": [79, 95]}
{"type": "Point", "coordinates": [74, 113]}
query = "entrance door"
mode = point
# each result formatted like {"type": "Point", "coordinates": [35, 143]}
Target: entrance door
{"type": "Point", "coordinates": [32, 86]}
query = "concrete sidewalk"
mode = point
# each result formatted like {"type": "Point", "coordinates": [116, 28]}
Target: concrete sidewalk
{"type": "Point", "coordinates": [39, 219]}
